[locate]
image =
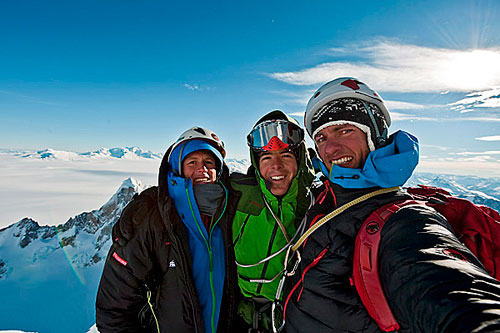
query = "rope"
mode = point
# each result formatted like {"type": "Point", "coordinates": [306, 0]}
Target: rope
{"type": "Point", "coordinates": [339, 210]}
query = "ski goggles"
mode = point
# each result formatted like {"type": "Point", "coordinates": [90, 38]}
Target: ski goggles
{"type": "Point", "coordinates": [288, 133]}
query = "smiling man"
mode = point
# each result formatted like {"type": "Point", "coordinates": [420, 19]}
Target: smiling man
{"type": "Point", "coordinates": [432, 282]}
{"type": "Point", "coordinates": [200, 167]}
{"type": "Point", "coordinates": [278, 168]}
{"type": "Point", "coordinates": [275, 196]}
{"type": "Point", "coordinates": [347, 147]}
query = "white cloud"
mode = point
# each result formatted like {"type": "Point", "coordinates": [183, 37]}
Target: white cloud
{"type": "Point", "coordinates": [486, 119]}
{"type": "Point", "coordinates": [461, 166]}
{"type": "Point", "coordinates": [397, 67]}
{"type": "Point", "coordinates": [398, 105]}
{"type": "Point", "coordinates": [489, 98]}
{"type": "Point", "coordinates": [404, 116]}
{"type": "Point", "coordinates": [192, 87]}
{"type": "Point", "coordinates": [439, 148]}
{"type": "Point", "coordinates": [53, 190]}
{"type": "Point", "coordinates": [197, 87]}
{"type": "Point", "coordinates": [489, 138]}
{"type": "Point", "coordinates": [301, 97]}
{"type": "Point", "coordinates": [487, 153]}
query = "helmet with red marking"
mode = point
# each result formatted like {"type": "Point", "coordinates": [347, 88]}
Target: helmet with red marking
{"type": "Point", "coordinates": [348, 100]}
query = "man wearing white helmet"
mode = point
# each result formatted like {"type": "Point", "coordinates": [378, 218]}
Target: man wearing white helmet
{"type": "Point", "coordinates": [171, 266]}
{"type": "Point", "coordinates": [432, 282]}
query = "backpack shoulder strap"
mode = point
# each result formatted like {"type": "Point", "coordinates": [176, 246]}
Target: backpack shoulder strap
{"type": "Point", "coordinates": [365, 265]}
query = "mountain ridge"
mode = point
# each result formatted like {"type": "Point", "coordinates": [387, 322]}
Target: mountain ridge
{"type": "Point", "coordinates": [132, 152]}
{"type": "Point", "coordinates": [44, 268]}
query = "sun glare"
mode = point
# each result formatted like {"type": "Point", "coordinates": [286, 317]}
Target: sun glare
{"type": "Point", "coordinates": [468, 70]}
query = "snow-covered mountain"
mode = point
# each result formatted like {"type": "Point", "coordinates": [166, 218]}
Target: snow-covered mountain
{"type": "Point", "coordinates": [49, 186]}
{"type": "Point", "coordinates": [484, 191]}
{"type": "Point", "coordinates": [127, 153]}
{"type": "Point", "coordinates": [53, 271]}
{"type": "Point", "coordinates": [123, 153]}
{"type": "Point", "coordinates": [49, 272]}
{"type": "Point", "coordinates": [238, 165]}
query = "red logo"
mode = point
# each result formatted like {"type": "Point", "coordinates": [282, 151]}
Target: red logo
{"type": "Point", "coordinates": [372, 228]}
{"type": "Point", "coordinates": [351, 84]}
{"type": "Point", "coordinates": [120, 260]}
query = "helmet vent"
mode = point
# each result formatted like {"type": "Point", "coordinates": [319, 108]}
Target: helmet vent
{"type": "Point", "coordinates": [317, 94]}
{"type": "Point", "coordinates": [199, 130]}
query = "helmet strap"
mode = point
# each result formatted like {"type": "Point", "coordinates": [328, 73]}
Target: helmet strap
{"type": "Point", "coordinates": [379, 137]}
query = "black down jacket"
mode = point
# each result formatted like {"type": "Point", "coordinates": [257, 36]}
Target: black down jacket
{"type": "Point", "coordinates": [150, 236]}
{"type": "Point", "coordinates": [427, 289]}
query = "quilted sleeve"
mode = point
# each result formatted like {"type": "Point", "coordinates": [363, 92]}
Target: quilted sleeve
{"type": "Point", "coordinates": [122, 289]}
{"type": "Point", "coordinates": [433, 283]}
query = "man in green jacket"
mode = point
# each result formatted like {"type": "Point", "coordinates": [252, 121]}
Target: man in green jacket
{"type": "Point", "coordinates": [269, 217]}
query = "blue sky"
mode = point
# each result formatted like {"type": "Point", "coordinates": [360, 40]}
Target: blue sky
{"type": "Point", "coordinates": [81, 75]}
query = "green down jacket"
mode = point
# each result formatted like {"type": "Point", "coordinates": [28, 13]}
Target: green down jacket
{"type": "Point", "coordinates": [256, 233]}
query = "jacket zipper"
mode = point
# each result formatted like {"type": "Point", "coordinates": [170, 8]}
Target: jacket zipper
{"type": "Point", "coordinates": [212, 321]}
{"type": "Point", "coordinates": [208, 244]}
{"type": "Point", "coordinates": [214, 224]}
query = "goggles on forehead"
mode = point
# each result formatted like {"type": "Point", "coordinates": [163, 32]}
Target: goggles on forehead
{"type": "Point", "coordinates": [262, 137]}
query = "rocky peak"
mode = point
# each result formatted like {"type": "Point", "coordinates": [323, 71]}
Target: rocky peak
{"type": "Point", "coordinates": [75, 232]}
{"type": "Point", "coordinates": [28, 230]}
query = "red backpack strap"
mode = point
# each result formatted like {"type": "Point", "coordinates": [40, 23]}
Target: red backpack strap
{"type": "Point", "coordinates": [365, 266]}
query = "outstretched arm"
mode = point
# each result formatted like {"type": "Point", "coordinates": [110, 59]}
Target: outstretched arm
{"type": "Point", "coordinates": [433, 283]}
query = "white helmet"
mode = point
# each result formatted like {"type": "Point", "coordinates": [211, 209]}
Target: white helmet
{"type": "Point", "coordinates": [345, 87]}
{"type": "Point", "coordinates": [196, 138]}
{"type": "Point", "coordinates": [202, 134]}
